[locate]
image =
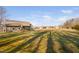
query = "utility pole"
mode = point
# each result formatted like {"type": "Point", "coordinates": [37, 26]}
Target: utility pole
{"type": "Point", "coordinates": [2, 19]}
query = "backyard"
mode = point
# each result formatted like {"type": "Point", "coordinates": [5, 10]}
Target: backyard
{"type": "Point", "coordinates": [54, 41]}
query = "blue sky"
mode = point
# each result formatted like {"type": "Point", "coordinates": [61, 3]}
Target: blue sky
{"type": "Point", "coordinates": [42, 15]}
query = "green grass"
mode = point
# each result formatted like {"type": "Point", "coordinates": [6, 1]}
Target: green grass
{"type": "Point", "coordinates": [56, 41]}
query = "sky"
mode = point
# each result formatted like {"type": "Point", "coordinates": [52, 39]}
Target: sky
{"type": "Point", "coordinates": [42, 15]}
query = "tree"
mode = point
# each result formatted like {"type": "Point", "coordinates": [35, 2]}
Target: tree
{"type": "Point", "coordinates": [76, 27]}
{"type": "Point", "coordinates": [72, 23]}
{"type": "Point", "coordinates": [2, 18]}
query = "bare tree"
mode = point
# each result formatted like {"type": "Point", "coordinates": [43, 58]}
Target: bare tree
{"type": "Point", "coordinates": [72, 23]}
{"type": "Point", "coordinates": [2, 18]}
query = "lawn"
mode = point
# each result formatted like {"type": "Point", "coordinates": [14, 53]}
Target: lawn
{"type": "Point", "coordinates": [55, 41]}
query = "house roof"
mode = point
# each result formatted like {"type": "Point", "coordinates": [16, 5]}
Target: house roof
{"type": "Point", "coordinates": [17, 23]}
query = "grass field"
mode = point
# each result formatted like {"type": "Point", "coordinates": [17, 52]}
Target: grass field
{"type": "Point", "coordinates": [55, 41]}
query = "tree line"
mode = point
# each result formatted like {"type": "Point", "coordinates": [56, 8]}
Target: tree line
{"type": "Point", "coordinates": [72, 23]}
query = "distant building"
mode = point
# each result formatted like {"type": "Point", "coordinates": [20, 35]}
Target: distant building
{"type": "Point", "coordinates": [16, 26]}
{"type": "Point", "coordinates": [44, 28]}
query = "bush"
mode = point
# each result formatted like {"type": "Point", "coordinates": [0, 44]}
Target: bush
{"type": "Point", "coordinates": [76, 27]}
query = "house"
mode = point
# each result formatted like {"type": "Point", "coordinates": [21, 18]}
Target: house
{"type": "Point", "coordinates": [44, 28]}
{"type": "Point", "coordinates": [16, 26]}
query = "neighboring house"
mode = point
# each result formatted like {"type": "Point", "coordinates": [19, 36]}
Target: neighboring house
{"type": "Point", "coordinates": [44, 28]}
{"type": "Point", "coordinates": [16, 26]}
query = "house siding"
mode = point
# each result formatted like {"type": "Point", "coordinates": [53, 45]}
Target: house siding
{"type": "Point", "coordinates": [16, 26]}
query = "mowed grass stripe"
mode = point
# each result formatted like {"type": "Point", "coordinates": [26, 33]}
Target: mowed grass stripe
{"type": "Point", "coordinates": [56, 41]}
{"type": "Point", "coordinates": [37, 45]}
{"type": "Point", "coordinates": [33, 46]}
{"type": "Point", "coordinates": [12, 45]}
{"type": "Point", "coordinates": [63, 44]}
{"type": "Point", "coordinates": [42, 46]}
{"type": "Point", "coordinates": [73, 39]}
{"type": "Point", "coordinates": [14, 39]}
{"type": "Point", "coordinates": [65, 50]}
{"type": "Point", "coordinates": [50, 44]}
{"type": "Point", "coordinates": [5, 36]}
{"type": "Point", "coordinates": [2, 42]}
{"type": "Point", "coordinates": [76, 31]}
{"type": "Point", "coordinates": [30, 47]}
{"type": "Point", "coordinates": [13, 35]}
{"type": "Point", "coordinates": [6, 40]}
{"type": "Point", "coordinates": [71, 34]}
{"type": "Point", "coordinates": [56, 44]}
{"type": "Point", "coordinates": [68, 44]}
{"type": "Point", "coordinates": [26, 42]}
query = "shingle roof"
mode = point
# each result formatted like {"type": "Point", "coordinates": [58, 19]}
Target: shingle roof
{"type": "Point", "coordinates": [17, 23]}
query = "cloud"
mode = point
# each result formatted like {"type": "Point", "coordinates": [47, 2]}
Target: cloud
{"type": "Point", "coordinates": [67, 11]}
{"type": "Point", "coordinates": [42, 20]}
{"type": "Point", "coordinates": [48, 18]}
{"type": "Point", "coordinates": [63, 19]}
{"type": "Point", "coordinates": [39, 20]}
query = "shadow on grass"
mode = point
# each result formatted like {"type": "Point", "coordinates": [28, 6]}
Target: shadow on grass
{"type": "Point", "coordinates": [25, 43]}
{"type": "Point", "coordinates": [35, 50]}
{"type": "Point", "coordinates": [73, 40]}
{"type": "Point", "coordinates": [50, 44]}
{"type": "Point", "coordinates": [62, 41]}
{"type": "Point", "coordinates": [12, 41]}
